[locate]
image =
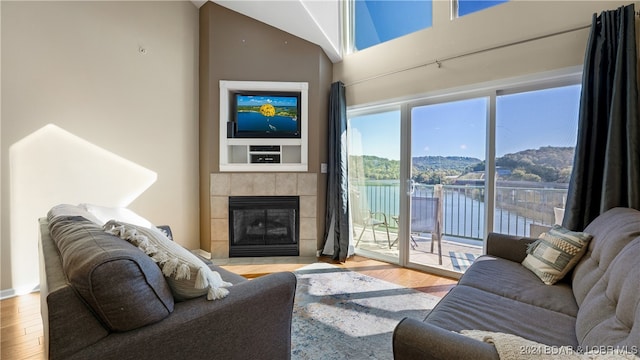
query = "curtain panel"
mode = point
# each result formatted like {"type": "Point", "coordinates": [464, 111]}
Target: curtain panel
{"type": "Point", "coordinates": [606, 171]}
{"type": "Point", "coordinates": [337, 233]}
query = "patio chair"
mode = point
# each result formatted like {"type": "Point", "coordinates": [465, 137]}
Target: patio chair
{"type": "Point", "coordinates": [369, 219]}
{"type": "Point", "coordinates": [426, 216]}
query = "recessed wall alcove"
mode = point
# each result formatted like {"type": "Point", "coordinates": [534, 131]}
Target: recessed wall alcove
{"type": "Point", "coordinates": [247, 54]}
{"type": "Point", "coordinates": [237, 154]}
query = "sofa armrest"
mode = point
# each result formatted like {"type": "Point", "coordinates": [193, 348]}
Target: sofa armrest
{"type": "Point", "coordinates": [508, 247]}
{"type": "Point", "coordinates": [414, 339]}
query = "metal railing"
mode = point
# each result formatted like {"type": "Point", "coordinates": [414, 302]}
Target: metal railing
{"type": "Point", "coordinates": [516, 207]}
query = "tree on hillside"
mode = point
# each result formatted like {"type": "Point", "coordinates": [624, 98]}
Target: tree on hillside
{"type": "Point", "coordinates": [547, 164]}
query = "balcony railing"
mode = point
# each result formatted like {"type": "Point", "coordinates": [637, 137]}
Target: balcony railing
{"type": "Point", "coordinates": [516, 207]}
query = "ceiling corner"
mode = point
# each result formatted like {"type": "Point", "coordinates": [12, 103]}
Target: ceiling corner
{"type": "Point", "coordinates": [315, 21]}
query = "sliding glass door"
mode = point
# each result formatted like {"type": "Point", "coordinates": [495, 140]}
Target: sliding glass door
{"type": "Point", "coordinates": [429, 178]}
{"type": "Point", "coordinates": [447, 183]}
{"type": "Point", "coordinates": [374, 181]}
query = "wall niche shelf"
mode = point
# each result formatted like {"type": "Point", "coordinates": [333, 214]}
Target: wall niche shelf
{"type": "Point", "coordinates": [262, 154]}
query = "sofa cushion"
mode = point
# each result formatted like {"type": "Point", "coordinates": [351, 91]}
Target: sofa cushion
{"type": "Point", "coordinates": [610, 313]}
{"type": "Point", "coordinates": [124, 288]}
{"type": "Point", "coordinates": [610, 308]}
{"type": "Point", "coordinates": [605, 282]}
{"type": "Point", "coordinates": [512, 280]}
{"type": "Point", "coordinates": [187, 275]}
{"type": "Point", "coordinates": [612, 231]}
{"type": "Point", "coordinates": [466, 308]}
{"type": "Point", "coordinates": [555, 253]}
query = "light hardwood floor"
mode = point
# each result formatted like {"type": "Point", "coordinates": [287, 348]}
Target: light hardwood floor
{"type": "Point", "coordinates": [21, 326]}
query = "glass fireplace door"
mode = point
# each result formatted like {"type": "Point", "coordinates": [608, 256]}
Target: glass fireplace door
{"type": "Point", "coordinates": [263, 226]}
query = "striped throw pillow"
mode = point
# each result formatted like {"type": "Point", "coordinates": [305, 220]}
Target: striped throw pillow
{"type": "Point", "coordinates": [555, 253]}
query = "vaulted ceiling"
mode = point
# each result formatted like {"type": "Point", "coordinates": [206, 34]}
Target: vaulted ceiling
{"type": "Point", "coordinates": [316, 21]}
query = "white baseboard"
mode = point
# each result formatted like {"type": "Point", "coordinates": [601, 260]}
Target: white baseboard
{"type": "Point", "coordinates": [9, 293]}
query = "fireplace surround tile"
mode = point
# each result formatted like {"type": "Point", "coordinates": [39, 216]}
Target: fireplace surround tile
{"type": "Point", "coordinates": [251, 184]}
{"type": "Point", "coordinates": [220, 184]}
{"type": "Point", "coordinates": [308, 206]}
{"type": "Point", "coordinates": [219, 207]}
{"type": "Point", "coordinates": [219, 230]}
{"type": "Point", "coordinates": [307, 228]}
{"type": "Point", "coordinates": [242, 184]}
{"type": "Point", "coordinates": [308, 247]}
{"type": "Point", "coordinates": [219, 249]}
{"type": "Point", "coordinates": [286, 184]}
{"type": "Point", "coordinates": [307, 184]}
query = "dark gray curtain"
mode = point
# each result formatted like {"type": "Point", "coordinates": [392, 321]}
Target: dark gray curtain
{"type": "Point", "coordinates": [337, 216]}
{"type": "Point", "coordinates": [606, 170]}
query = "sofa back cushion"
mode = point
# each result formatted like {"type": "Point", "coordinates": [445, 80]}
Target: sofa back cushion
{"type": "Point", "coordinates": [121, 284]}
{"type": "Point", "coordinates": [605, 282]}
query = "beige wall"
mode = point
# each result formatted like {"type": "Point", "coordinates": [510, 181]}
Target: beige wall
{"type": "Point", "coordinates": [514, 21]}
{"type": "Point", "coordinates": [77, 65]}
{"type": "Point", "coordinates": [238, 48]}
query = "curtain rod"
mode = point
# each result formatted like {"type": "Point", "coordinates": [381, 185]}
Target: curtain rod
{"type": "Point", "coordinates": [440, 61]}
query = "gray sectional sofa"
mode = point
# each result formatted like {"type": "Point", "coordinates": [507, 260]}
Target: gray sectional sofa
{"type": "Point", "coordinates": [103, 298]}
{"type": "Point", "coordinates": [595, 307]}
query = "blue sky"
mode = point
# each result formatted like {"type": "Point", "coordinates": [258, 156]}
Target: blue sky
{"type": "Point", "coordinates": [524, 121]}
{"type": "Point", "coordinates": [273, 100]}
{"type": "Point", "coordinates": [379, 21]}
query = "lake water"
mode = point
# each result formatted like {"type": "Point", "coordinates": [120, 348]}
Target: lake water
{"type": "Point", "coordinates": [463, 214]}
{"type": "Point", "coordinates": [254, 121]}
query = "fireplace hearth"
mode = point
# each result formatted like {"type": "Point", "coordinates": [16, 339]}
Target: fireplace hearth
{"type": "Point", "coordinates": [263, 226]}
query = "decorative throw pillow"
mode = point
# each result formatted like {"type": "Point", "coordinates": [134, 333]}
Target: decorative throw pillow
{"type": "Point", "coordinates": [187, 275]}
{"type": "Point", "coordinates": [555, 253]}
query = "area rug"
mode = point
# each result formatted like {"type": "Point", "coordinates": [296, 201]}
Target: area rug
{"type": "Point", "coordinates": [342, 314]}
{"type": "Point", "coordinates": [461, 261]}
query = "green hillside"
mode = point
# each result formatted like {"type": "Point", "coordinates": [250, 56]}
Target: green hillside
{"type": "Point", "coordinates": [546, 164]}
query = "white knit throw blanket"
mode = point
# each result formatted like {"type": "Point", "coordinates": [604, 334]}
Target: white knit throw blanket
{"type": "Point", "coordinates": [512, 347]}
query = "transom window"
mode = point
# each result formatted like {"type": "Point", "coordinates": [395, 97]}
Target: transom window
{"type": "Point", "coordinates": [466, 7]}
{"type": "Point", "coordinates": [377, 21]}
{"type": "Point", "coordinates": [372, 22]}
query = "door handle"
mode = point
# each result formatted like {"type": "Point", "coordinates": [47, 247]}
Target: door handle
{"type": "Point", "coordinates": [412, 187]}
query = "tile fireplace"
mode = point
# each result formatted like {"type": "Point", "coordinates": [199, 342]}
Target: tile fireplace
{"type": "Point", "coordinates": [225, 186]}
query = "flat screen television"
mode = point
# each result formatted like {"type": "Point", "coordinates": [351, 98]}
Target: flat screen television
{"type": "Point", "coordinates": [259, 114]}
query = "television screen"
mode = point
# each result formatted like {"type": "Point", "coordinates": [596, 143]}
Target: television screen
{"type": "Point", "coordinates": [262, 114]}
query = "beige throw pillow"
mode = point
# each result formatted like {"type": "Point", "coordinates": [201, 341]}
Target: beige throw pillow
{"type": "Point", "coordinates": [187, 275]}
{"type": "Point", "coordinates": [555, 253]}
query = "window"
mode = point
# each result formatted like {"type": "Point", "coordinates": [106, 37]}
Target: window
{"type": "Point", "coordinates": [535, 141]}
{"type": "Point", "coordinates": [377, 21]}
{"type": "Point", "coordinates": [466, 7]}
